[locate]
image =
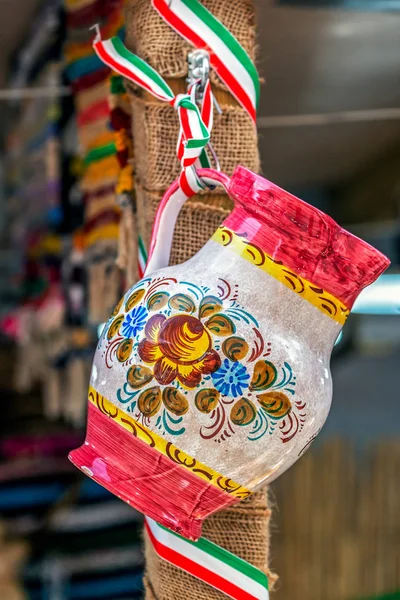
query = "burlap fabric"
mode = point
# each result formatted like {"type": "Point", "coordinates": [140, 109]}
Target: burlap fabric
{"type": "Point", "coordinates": [155, 129]}
{"type": "Point", "coordinates": [243, 528]}
{"type": "Point", "coordinates": [154, 41]}
{"type": "Point", "coordinates": [155, 124]}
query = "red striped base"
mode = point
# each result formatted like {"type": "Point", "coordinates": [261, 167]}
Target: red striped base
{"type": "Point", "coordinates": [146, 479]}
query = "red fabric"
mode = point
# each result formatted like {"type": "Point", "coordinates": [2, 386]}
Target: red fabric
{"type": "Point", "coordinates": [123, 157]}
{"type": "Point", "coordinates": [120, 119]}
{"type": "Point", "coordinates": [86, 16]}
{"type": "Point", "coordinates": [93, 113]}
{"type": "Point", "coordinates": [99, 193]}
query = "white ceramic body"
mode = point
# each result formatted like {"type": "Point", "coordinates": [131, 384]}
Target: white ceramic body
{"type": "Point", "coordinates": [297, 338]}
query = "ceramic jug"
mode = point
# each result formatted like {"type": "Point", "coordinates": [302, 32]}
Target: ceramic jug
{"type": "Point", "coordinates": [212, 377]}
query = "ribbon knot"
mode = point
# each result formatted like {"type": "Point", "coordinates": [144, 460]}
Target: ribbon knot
{"type": "Point", "coordinates": [178, 99]}
{"type": "Point", "coordinates": [195, 125]}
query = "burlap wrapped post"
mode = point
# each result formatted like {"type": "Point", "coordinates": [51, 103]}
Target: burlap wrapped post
{"type": "Point", "coordinates": [155, 124]}
{"type": "Point", "coordinates": [155, 130]}
{"type": "Point", "coordinates": [243, 528]}
{"type": "Point", "coordinates": [159, 45]}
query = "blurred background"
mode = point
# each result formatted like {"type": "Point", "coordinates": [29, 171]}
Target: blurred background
{"type": "Point", "coordinates": [329, 127]}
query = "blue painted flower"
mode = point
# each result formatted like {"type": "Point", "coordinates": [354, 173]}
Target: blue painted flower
{"type": "Point", "coordinates": [231, 379]}
{"type": "Point", "coordinates": [134, 322]}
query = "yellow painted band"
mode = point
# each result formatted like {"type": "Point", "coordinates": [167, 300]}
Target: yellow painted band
{"type": "Point", "coordinates": [167, 448]}
{"type": "Point", "coordinates": [328, 304]}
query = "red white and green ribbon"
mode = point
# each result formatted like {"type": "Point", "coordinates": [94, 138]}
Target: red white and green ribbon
{"type": "Point", "coordinates": [195, 124]}
{"type": "Point", "coordinates": [194, 132]}
{"type": "Point", "coordinates": [191, 20]}
{"type": "Point", "coordinates": [142, 256]}
{"type": "Point", "coordinates": [212, 564]}
{"type": "Point", "coordinates": [206, 113]}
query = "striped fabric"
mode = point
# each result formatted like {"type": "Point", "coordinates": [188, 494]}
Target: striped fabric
{"type": "Point", "coordinates": [89, 548]}
{"type": "Point", "coordinates": [90, 83]}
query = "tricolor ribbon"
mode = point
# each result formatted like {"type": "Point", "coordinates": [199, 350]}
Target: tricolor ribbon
{"type": "Point", "coordinates": [142, 257]}
{"type": "Point", "coordinates": [194, 130]}
{"type": "Point", "coordinates": [195, 124]}
{"type": "Point", "coordinates": [210, 563]}
{"type": "Point", "coordinates": [192, 21]}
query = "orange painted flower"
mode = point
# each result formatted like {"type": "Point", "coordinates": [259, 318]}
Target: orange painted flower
{"type": "Point", "coordinates": [180, 348]}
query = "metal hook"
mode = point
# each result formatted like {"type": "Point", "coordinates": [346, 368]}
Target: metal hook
{"type": "Point", "coordinates": [215, 157]}
{"type": "Point", "coordinates": [198, 75]}
{"type": "Point", "coordinates": [198, 70]}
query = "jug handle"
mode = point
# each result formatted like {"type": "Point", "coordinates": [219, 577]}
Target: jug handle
{"type": "Point", "coordinates": [167, 214]}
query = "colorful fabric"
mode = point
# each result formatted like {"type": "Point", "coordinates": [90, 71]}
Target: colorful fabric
{"type": "Point", "coordinates": [86, 98]}
{"type": "Point", "coordinates": [82, 67]}
{"type": "Point", "coordinates": [87, 81]}
{"type": "Point", "coordinates": [99, 171]}
{"type": "Point", "coordinates": [103, 138]}
{"type": "Point", "coordinates": [83, 47]}
{"type": "Point", "coordinates": [93, 112]}
{"type": "Point", "coordinates": [85, 16]}
{"type": "Point", "coordinates": [100, 152]}
{"type": "Point", "coordinates": [96, 205]}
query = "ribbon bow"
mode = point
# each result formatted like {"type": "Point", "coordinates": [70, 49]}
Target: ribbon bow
{"type": "Point", "coordinates": [195, 125]}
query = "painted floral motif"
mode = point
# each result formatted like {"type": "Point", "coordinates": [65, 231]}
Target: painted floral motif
{"type": "Point", "coordinates": [124, 350]}
{"type": "Point", "coordinates": [180, 348]}
{"type": "Point", "coordinates": [243, 412]}
{"type": "Point", "coordinates": [231, 379]}
{"type": "Point", "coordinates": [191, 350]}
{"type": "Point", "coordinates": [114, 326]}
{"type": "Point", "coordinates": [134, 322]}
